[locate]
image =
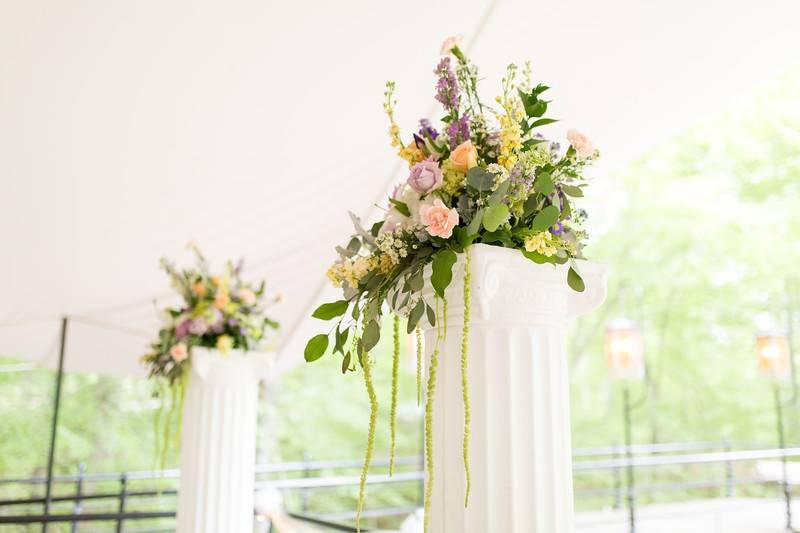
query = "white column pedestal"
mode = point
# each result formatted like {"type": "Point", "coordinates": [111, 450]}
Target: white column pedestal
{"type": "Point", "coordinates": [218, 442]}
{"type": "Point", "coordinates": [520, 446]}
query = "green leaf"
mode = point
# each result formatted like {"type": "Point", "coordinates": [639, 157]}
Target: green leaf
{"type": "Point", "coordinates": [415, 315]}
{"type": "Point", "coordinates": [546, 218]}
{"type": "Point", "coordinates": [537, 258]}
{"type": "Point", "coordinates": [544, 183]}
{"type": "Point", "coordinates": [543, 122]}
{"type": "Point", "coordinates": [331, 310]}
{"type": "Point", "coordinates": [316, 347]}
{"type": "Point", "coordinates": [531, 205]}
{"type": "Point", "coordinates": [376, 228]}
{"type": "Point", "coordinates": [402, 207]}
{"type": "Point", "coordinates": [431, 315]}
{"type": "Point", "coordinates": [575, 281]}
{"type": "Point", "coordinates": [500, 193]}
{"type": "Point", "coordinates": [494, 216]}
{"type": "Point", "coordinates": [354, 245]}
{"type": "Point", "coordinates": [501, 236]}
{"type": "Point", "coordinates": [537, 109]}
{"type": "Point", "coordinates": [371, 335]}
{"type": "Point", "coordinates": [346, 362]}
{"type": "Point", "coordinates": [572, 190]}
{"type": "Point", "coordinates": [442, 270]}
{"type": "Point", "coordinates": [480, 179]}
{"type": "Point", "coordinates": [416, 282]}
{"type": "Point", "coordinates": [475, 225]}
{"type": "Point", "coordinates": [341, 339]}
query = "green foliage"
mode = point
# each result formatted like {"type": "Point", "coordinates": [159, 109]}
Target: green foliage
{"type": "Point", "coordinates": [330, 311]}
{"type": "Point", "coordinates": [316, 347]}
{"type": "Point", "coordinates": [442, 270]}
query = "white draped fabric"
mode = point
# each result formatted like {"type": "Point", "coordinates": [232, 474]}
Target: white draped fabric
{"type": "Point", "coordinates": [128, 128]}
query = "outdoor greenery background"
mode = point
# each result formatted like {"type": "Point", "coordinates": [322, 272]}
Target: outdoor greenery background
{"type": "Point", "coordinates": [701, 239]}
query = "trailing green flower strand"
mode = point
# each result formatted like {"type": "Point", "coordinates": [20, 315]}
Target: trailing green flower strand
{"type": "Point", "coordinates": [373, 418]}
{"type": "Point", "coordinates": [429, 395]}
{"type": "Point", "coordinates": [420, 355]}
{"type": "Point", "coordinates": [393, 411]}
{"type": "Point", "coordinates": [465, 375]}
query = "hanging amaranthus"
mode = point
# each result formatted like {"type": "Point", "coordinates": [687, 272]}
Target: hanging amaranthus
{"type": "Point", "coordinates": [419, 365]}
{"type": "Point", "coordinates": [393, 412]}
{"type": "Point", "coordinates": [429, 396]}
{"type": "Point", "coordinates": [373, 419]}
{"type": "Point", "coordinates": [465, 374]}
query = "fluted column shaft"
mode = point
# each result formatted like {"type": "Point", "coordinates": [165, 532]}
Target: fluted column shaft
{"type": "Point", "coordinates": [520, 446]}
{"type": "Point", "coordinates": [218, 443]}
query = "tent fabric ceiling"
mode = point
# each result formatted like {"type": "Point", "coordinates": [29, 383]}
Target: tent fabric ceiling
{"type": "Point", "coordinates": [251, 127]}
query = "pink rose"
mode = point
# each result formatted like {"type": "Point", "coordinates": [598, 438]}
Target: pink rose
{"type": "Point", "coordinates": [580, 142]}
{"type": "Point", "coordinates": [438, 219]}
{"type": "Point", "coordinates": [449, 43]}
{"type": "Point", "coordinates": [179, 352]}
{"type": "Point", "coordinates": [247, 296]}
{"type": "Point", "coordinates": [425, 176]}
{"type": "Point", "coordinates": [464, 157]}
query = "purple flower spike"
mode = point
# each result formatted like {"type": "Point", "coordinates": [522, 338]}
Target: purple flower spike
{"type": "Point", "coordinates": [458, 131]}
{"type": "Point", "coordinates": [447, 89]}
{"type": "Point", "coordinates": [426, 130]}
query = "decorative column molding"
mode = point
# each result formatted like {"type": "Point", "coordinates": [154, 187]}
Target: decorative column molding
{"type": "Point", "coordinates": [218, 442]}
{"type": "Point", "coordinates": [520, 446]}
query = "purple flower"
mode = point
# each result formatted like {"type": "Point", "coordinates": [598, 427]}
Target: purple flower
{"type": "Point", "coordinates": [558, 229]}
{"type": "Point", "coordinates": [183, 327]}
{"type": "Point", "coordinates": [447, 89]}
{"type": "Point", "coordinates": [198, 327]}
{"type": "Point", "coordinates": [425, 176]}
{"type": "Point", "coordinates": [426, 130]}
{"type": "Point", "coordinates": [458, 131]}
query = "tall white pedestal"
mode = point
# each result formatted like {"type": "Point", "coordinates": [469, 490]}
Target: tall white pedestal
{"type": "Point", "coordinates": [218, 443]}
{"type": "Point", "coordinates": [520, 446]}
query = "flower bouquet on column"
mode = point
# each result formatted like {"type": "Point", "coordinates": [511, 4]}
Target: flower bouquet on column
{"type": "Point", "coordinates": [219, 315]}
{"type": "Point", "coordinates": [484, 176]}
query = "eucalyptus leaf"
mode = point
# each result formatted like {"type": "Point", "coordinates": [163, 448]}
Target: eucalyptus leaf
{"type": "Point", "coordinates": [480, 179]}
{"type": "Point", "coordinates": [442, 270]}
{"type": "Point", "coordinates": [530, 205]}
{"type": "Point", "coordinates": [316, 347]}
{"type": "Point", "coordinates": [494, 216]}
{"type": "Point", "coordinates": [545, 219]}
{"type": "Point", "coordinates": [544, 183]}
{"type": "Point", "coordinates": [346, 362]}
{"type": "Point", "coordinates": [543, 122]}
{"type": "Point", "coordinates": [575, 281]}
{"type": "Point", "coordinates": [572, 190]}
{"type": "Point", "coordinates": [499, 193]}
{"type": "Point", "coordinates": [354, 245]}
{"type": "Point", "coordinates": [431, 315]}
{"type": "Point", "coordinates": [537, 258]}
{"type": "Point", "coordinates": [402, 207]}
{"type": "Point", "coordinates": [371, 335]}
{"type": "Point", "coordinates": [331, 310]}
{"type": "Point", "coordinates": [417, 281]}
{"type": "Point", "coordinates": [415, 316]}
{"type": "Point", "coordinates": [501, 236]}
{"type": "Point", "coordinates": [475, 226]}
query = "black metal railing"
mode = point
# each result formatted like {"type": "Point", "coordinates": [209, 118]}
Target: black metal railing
{"type": "Point", "coordinates": [123, 498]}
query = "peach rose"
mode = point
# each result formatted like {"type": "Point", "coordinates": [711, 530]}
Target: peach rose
{"type": "Point", "coordinates": [438, 219]}
{"type": "Point", "coordinates": [179, 352]}
{"type": "Point", "coordinates": [221, 300]}
{"type": "Point", "coordinates": [580, 142]}
{"type": "Point", "coordinates": [199, 288]}
{"type": "Point", "coordinates": [464, 157]}
{"type": "Point", "coordinates": [450, 42]}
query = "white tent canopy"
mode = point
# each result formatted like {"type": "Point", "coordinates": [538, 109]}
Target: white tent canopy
{"type": "Point", "coordinates": [129, 128]}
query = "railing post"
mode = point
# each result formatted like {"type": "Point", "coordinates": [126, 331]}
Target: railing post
{"type": "Point", "coordinates": [631, 492]}
{"type": "Point", "coordinates": [78, 506]}
{"type": "Point", "coordinates": [617, 473]}
{"type": "Point", "coordinates": [729, 485]}
{"type": "Point", "coordinates": [123, 492]}
{"type": "Point", "coordinates": [306, 474]}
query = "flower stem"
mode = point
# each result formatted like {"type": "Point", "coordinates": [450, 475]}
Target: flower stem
{"type": "Point", "coordinates": [393, 411]}
{"type": "Point", "coordinates": [465, 375]}
{"type": "Point", "coordinates": [373, 418]}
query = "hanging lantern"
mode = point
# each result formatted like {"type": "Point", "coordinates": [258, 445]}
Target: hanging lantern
{"type": "Point", "coordinates": [624, 348]}
{"type": "Point", "coordinates": [774, 356]}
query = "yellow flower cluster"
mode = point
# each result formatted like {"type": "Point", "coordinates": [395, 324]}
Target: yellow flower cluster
{"type": "Point", "coordinates": [388, 107]}
{"type": "Point", "coordinates": [412, 153]}
{"type": "Point", "coordinates": [542, 243]}
{"type": "Point", "coordinates": [352, 271]}
{"type": "Point", "coordinates": [510, 131]}
{"type": "Point", "coordinates": [454, 179]}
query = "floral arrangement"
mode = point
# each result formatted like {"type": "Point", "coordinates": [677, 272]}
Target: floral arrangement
{"type": "Point", "coordinates": [485, 176]}
{"type": "Point", "coordinates": [219, 311]}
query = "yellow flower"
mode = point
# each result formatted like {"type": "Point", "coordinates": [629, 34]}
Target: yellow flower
{"type": "Point", "coordinates": [224, 344]}
{"type": "Point", "coordinates": [542, 243]}
{"type": "Point", "coordinates": [453, 179]}
{"type": "Point", "coordinates": [412, 153]}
